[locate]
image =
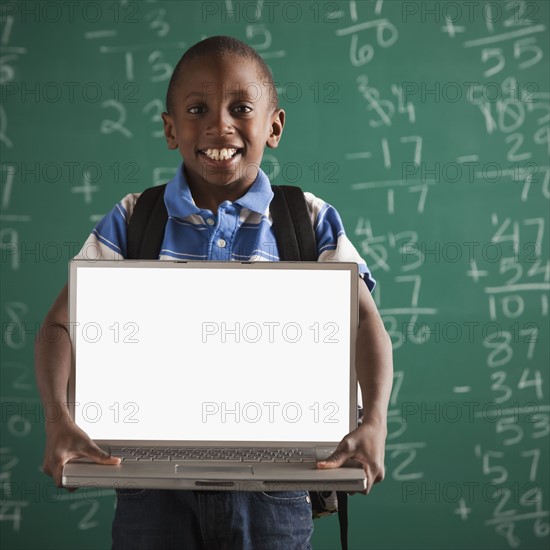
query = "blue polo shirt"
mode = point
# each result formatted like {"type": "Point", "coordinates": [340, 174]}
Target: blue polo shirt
{"type": "Point", "coordinates": [239, 231]}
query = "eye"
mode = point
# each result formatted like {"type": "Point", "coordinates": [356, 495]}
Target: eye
{"type": "Point", "coordinates": [243, 109]}
{"type": "Point", "coordinates": [196, 110]}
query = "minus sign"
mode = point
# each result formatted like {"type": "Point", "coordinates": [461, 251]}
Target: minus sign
{"type": "Point", "coordinates": [462, 389]}
{"type": "Point", "coordinates": [14, 218]}
{"type": "Point", "coordinates": [468, 158]}
{"type": "Point", "coordinates": [100, 34]}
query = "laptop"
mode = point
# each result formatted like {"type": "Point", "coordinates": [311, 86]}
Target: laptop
{"type": "Point", "coordinates": [214, 375]}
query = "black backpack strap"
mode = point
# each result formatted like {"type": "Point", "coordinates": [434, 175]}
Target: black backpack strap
{"type": "Point", "coordinates": [343, 518]}
{"type": "Point", "coordinates": [147, 225]}
{"type": "Point", "coordinates": [292, 224]}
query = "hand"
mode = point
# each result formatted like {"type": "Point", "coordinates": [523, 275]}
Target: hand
{"type": "Point", "coordinates": [64, 441]}
{"type": "Point", "coordinates": [365, 445]}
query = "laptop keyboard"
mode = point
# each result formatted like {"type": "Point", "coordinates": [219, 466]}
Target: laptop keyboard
{"type": "Point", "coordinates": [207, 453]}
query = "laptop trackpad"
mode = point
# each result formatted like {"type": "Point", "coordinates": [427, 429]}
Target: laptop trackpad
{"type": "Point", "coordinates": [198, 470]}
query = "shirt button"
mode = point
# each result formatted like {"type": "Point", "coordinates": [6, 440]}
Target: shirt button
{"type": "Point", "coordinates": [221, 243]}
{"type": "Point", "coordinates": [210, 221]}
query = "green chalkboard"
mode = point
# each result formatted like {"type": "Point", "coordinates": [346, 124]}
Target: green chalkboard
{"type": "Point", "coordinates": [426, 124]}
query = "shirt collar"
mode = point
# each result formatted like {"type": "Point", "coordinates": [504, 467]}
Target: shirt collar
{"type": "Point", "coordinates": [258, 197]}
{"type": "Point", "coordinates": [180, 204]}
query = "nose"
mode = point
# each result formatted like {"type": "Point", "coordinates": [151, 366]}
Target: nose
{"type": "Point", "coordinates": [219, 122]}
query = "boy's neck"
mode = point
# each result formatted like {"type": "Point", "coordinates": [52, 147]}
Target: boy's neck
{"type": "Point", "coordinates": [208, 197]}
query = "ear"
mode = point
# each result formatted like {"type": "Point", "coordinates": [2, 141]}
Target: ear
{"type": "Point", "coordinates": [277, 125]}
{"type": "Point", "coordinates": [170, 131]}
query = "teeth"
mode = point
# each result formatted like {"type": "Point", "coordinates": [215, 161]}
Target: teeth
{"type": "Point", "coordinates": [217, 154]}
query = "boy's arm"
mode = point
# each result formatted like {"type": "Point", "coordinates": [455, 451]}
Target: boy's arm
{"type": "Point", "coordinates": [64, 439]}
{"type": "Point", "coordinates": [374, 368]}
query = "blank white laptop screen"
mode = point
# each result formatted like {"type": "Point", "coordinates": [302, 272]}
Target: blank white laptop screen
{"type": "Point", "coordinates": [209, 354]}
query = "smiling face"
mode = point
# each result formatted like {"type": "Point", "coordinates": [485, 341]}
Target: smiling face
{"type": "Point", "coordinates": [221, 104]}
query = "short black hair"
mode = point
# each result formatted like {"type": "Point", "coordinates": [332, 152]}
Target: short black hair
{"type": "Point", "coordinates": [218, 46]}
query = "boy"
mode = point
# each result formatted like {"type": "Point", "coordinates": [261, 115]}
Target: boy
{"type": "Point", "coordinates": [222, 110]}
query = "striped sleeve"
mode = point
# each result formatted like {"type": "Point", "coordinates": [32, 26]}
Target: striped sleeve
{"type": "Point", "coordinates": [108, 238]}
{"type": "Point", "coordinates": [333, 244]}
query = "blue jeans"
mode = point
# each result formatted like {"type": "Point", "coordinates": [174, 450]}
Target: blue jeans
{"type": "Point", "coordinates": [147, 519]}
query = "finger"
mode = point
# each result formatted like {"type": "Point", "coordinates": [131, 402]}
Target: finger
{"type": "Point", "coordinates": [58, 478]}
{"type": "Point", "coordinates": [100, 456]}
{"type": "Point", "coordinates": [335, 460]}
{"type": "Point", "coordinates": [57, 475]}
{"type": "Point", "coordinates": [371, 480]}
{"type": "Point", "coordinates": [54, 472]}
{"type": "Point", "coordinates": [377, 474]}
{"type": "Point", "coordinates": [377, 479]}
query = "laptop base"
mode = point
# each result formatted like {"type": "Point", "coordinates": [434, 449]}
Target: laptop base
{"type": "Point", "coordinates": [191, 475]}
